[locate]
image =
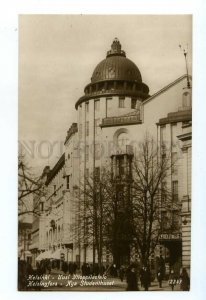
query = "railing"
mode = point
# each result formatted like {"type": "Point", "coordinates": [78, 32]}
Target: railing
{"type": "Point", "coordinates": [124, 149]}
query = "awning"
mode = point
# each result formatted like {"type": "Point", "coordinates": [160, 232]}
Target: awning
{"type": "Point", "coordinates": [56, 254]}
{"type": "Point", "coordinates": [27, 253]}
{"type": "Point", "coordinates": [44, 255]}
{"type": "Point", "coordinates": [40, 256]}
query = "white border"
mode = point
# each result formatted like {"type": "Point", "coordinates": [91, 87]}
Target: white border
{"type": "Point", "coordinates": [8, 126]}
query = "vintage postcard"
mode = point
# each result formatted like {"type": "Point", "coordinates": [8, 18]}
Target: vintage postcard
{"type": "Point", "coordinates": [104, 161]}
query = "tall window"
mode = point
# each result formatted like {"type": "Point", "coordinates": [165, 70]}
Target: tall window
{"type": "Point", "coordinates": [97, 151]}
{"type": "Point", "coordinates": [96, 126]}
{"type": "Point", "coordinates": [80, 131]}
{"type": "Point", "coordinates": [174, 163]}
{"type": "Point", "coordinates": [165, 220]}
{"type": "Point", "coordinates": [133, 103]}
{"type": "Point", "coordinates": [55, 187]}
{"type": "Point", "coordinates": [96, 105]}
{"type": "Point", "coordinates": [68, 178]}
{"type": "Point", "coordinates": [87, 107]}
{"type": "Point", "coordinates": [121, 102]}
{"type": "Point", "coordinates": [186, 99]}
{"type": "Point", "coordinates": [121, 165]}
{"type": "Point", "coordinates": [175, 190]}
{"type": "Point", "coordinates": [163, 191]}
{"type": "Point", "coordinates": [87, 128]}
{"type": "Point", "coordinates": [97, 174]}
{"type": "Point", "coordinates": [87, 152]}
{"type": "Point", "coordinates": [87, 173]}
{"type": "Point", "coordinates": [108, 106]}
{"type": "Point", "coordinates": [175, 220]}
{"type": "Point", "coordinates": [80, 111]}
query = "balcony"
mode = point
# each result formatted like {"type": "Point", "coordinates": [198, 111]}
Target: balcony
{"type": "Point", "coordinates": [124, 149]}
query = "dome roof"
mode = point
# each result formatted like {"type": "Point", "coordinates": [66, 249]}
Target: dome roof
{"type": "Point", "coordinates": [116, 66]}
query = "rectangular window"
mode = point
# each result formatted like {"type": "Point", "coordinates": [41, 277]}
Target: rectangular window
{"type": "Point", "coordinates": [97, 151]}
{"type": "Point", "coordinates": [121, 102]}
{"type": "Point", "coordinates": [175, 220]}
{"type": "Point", "coordinates": [87, 128]}
{"type": "Point", "coordinates": [133, 103]}
{"type": "Point", "coordinates": [87, 173]}
{"type": "Point", "coordinates": [87, 107]}
{"type": "Point", "coordinates": [68, 177]}
{"type": "Point", "coordinates": [55, 187]}
{"type": "Point", "coordinates": [71, 158]}
{"type": "Point", "coordinates": [162, 135]}
{"type": "Point", "coordinates": [165, 220]}
{"type": "Point", "coordinates": [96, 126]}
{"type": "Point", "coordinates": [174, 163]}
{"type": "Point", "coordinates": [163, 192]}
{"type": "Point", "coordinates": [80, 131]}
{"type": "Point", "coordinates": [97, 174]}
{"type": "Point", "coordinates": [108, 106]}
{"type": "Point", "coordinates": [80, 112]}
{"type": "Point", "coordinates": [175, 190]}
{"type": "Point", "coordinates": [87, 153]}
{"type": "Point", "coordinates": [121, 166]}
{"type": "Point", "coordinates": [96, 105]}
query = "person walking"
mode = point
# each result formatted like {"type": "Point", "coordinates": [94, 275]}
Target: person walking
{"type": "Point", "coordinates": [146, 278]}
{"type": "Point", "coordinates": [185, 280]}
{"type": "Point", "coordinates": [121, 273]}
{"type": "Point", "coordinates": [132, 284]}
{"type": "Point", "coordinates": [160, 276]}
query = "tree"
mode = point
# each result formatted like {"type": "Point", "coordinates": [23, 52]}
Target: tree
{"type": "Point", "coordinates": [124, 211]}
{"type": "Point", "coordinates": [103, 222]}
{"type": "Point", "coordinates": [150, 196]}
{"type": "Point", "coordinates": [29, 186]}
{"type": "Point", "coordinates": [93, 211]}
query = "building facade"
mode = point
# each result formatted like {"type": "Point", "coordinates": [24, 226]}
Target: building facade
{"type": "Point", "coordinates": [113, 116]}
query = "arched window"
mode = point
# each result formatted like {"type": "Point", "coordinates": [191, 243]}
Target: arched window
{"type": "Point", "coordinates": [122, 140]}
{"type": "Point", "coordinates": [186, 99]}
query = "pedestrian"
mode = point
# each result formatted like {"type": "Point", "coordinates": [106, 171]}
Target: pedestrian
{"type": "Point", "coordinates": [132, 284]}
{"type": "Point", "coordinates": [185, 280]}
{"type": "Point", "coordinates": [121, 273]}
{"type": "Point", "coordinates": [74, 267]}
{"type": "Point", "coordinates": [114, 270]}
{"type": "Point", "coordinates": [172, 279]}
{"type": "Point", "coordinates": [146, 278]}
{"type": "Point", "coordinates": [141, 275]}
{"type": "Point", "coordinates": [84, 269]}
{"type": "Point", "coordinates": [64, 267]}
{"type": "Point", "coordinates": [87, 269]}
{"type": "Point", "coordinates": [71, 268]}
{"type": "Point", "coordinates": [160, 276]}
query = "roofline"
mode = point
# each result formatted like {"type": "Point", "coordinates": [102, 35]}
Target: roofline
{"type": "Point", "coordinates": [166, 88]}
{"type": "Point", "coordinates": [60, 163]}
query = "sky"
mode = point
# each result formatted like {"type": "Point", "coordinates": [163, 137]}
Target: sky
{"type": "Point", "coordinates": [57, 56]}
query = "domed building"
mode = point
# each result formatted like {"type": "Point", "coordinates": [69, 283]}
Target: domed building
{"type": "Point", "coordinates": [114, 115]}
{"type": "Point", "coordinates": [115, 76]}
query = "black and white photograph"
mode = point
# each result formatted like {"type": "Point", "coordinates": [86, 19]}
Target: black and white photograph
{"type": "Point", "coordinates": [104, 152]}
{"type": "Point", "coordinates": [102, 149]}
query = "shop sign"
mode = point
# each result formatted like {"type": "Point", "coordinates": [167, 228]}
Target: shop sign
{"type": "Point", "coordinates": [170, 236]}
